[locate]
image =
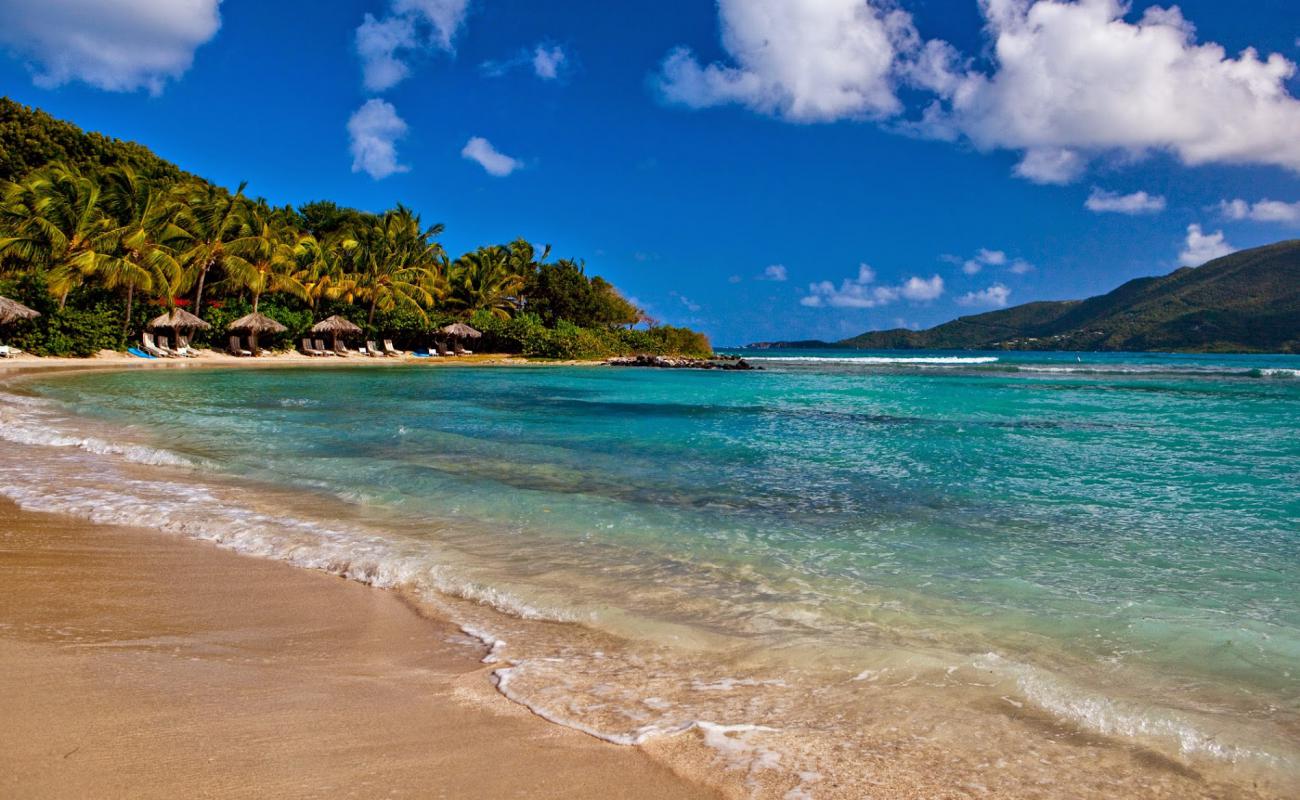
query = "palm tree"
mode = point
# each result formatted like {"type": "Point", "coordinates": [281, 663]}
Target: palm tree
{"type": "Point", "coordinates": [57, 220]}
{"type": "Point", "coordinates": [264, 259]}
{"type": "Point", "coordinates": [484, 281]}
{"type": "Point", "coordinates": [319, 270]}
{"type": "Point", "coordinates": [144, 258]}
{"type": "Point", "coordinates": [395, 262]}
{"type": "Point", "coordinates": [213, 218]}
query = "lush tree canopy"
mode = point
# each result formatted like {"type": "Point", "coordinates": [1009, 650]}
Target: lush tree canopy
{"type": "Point", "coordinates": [98, 234]}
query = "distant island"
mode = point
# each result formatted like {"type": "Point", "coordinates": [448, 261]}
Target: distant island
{"type": "Point", "coordinates": [1247, 302]}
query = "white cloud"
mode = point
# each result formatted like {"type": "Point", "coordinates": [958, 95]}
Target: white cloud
{"type": "Point", "coordinates": [995, 296]}
{"type": "Point", "coordinates": [985, 257]}
{"type": "Point", "coordinates": [547, 62]}
{"type": "Point", "coordinates": [691, 305]}
{"type": "Point", "coordinates": [1102, 201]}
{"type": "Point", "coordinates": [496, 163]}
{"type": "Point", "coordinates": [804, 60]}
{"type": "Point", "coordinates": [374, 130]}
{"type": "Point", "coordinates": [120, 46]}
{"type": "Point", "coordinates": [860, 292]}
{"type": "Point", "coordinates": [378, 42]}
{"type": "Point", "coordinates": [734, 279]}
{"type": "Point", "coordinates": [922, 291]}
{"type": "Point", "coordinates": [1063, 82]}
{"type": "Point", "coordinates": [775, 272]}
{"type": "Point", "coordinates": [384, 43]}
{"type": "Point", "coordinates": [1201, 247]}
{"type": "Point", "coordinates": [1075, 80]}
{"type": "Point", "coordinates": [1261, 211]}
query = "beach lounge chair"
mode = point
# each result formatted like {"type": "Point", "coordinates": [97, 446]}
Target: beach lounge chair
{"type": "Point", "coordinates": [341, 349]}
{"type": "Point", "coordinates": [325, 351]}
{"type": "Point", "coordinates": [308, 350]}
{"type": "Point", "coordinates": [461, 351]}
{"type": "Point", "coordinates": [165, 345]}
{"type": "Point", "coordinates": [389, 350]}
{"type": "Point", "coordinates": [442, 348]}
{"type": "Point", "coordinates": [150, 347]}
{"type": "Point", "coordinates": [372, 350]}
{"type": "Point", "coordinates": [183, 347]}
{"type": "Point", "coordinates": [9, 352]}
{"type": "Point", "coordinates": [237, 348]}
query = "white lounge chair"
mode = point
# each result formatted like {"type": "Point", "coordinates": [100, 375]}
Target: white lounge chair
{"type": "Point", "coordinates": [307, 349]}
{"type": "Point", "coordinates": [237, 347]}
{"type": "Point", "coordinates": [9, 352]}
{"type": "Point", "coordinates": [325, 351]}
{"type": "Point", "coordinates": [389, 350]}
{"type": "Point", "coordinates": [372, 350]}
{"type": "Point", "coordinates": [183, 347]}
{"type": "Point", "coordinates": [152, 348]}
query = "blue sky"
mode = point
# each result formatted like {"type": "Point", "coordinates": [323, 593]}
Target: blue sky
{"type": "Point", "coordinates": [755, 168]}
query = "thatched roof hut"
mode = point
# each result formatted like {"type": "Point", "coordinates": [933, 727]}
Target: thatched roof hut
{"type": "Point", "coordinates": [256, 323]}
{"type": "Point", "coordinates": [12, 311]}
{"type": "Point", "coordinates": [336, 326]}
{"type": "Point", "coordinates": [177, 319]}
{"type": "Point", "coordinates": [461, 330]}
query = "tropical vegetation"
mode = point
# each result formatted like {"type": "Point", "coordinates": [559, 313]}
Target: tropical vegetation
{"type": "Point", "coordinates": [100, 235]}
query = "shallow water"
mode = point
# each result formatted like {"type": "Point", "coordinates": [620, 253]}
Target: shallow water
{"type": "Point", "coordinates": [841, 557]}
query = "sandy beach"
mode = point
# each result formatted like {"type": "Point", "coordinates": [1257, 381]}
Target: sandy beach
{"type": "Point", "coordinates": [133, 664]}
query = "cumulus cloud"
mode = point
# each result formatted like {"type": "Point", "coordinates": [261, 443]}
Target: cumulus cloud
{"type": "Point", "coordinates": [547, 62]}
{"type": "Point", "coordinates": [776, 272]}
{"type": "Point", "coordinates": [985, 257]}
{"type": "Point", "coordinates": [1062, 82]}
{"type": "Point", "coordinates": [995, 296]}
{"type": "Point", "coordinates": [1102, 202]}
{"type": "Point", "coordinates": [1201, 247]}
{"type": "Point", "coordinates": [384, 43]}
{"type": "Point", "coordinates": [804, 60]}
{"type": "Point", "coordinates": [374, 130]}
{"type": "Point", "coordinates": [860, 292]}
{"type": "Point", "coordinates": [120, 46]}
{"type": "Point", "coordinates": [1074, 80]}
{"type": "Point", "coordinates": [496, 163]}
{"type": "Point", "coordinates": [1261, 211]}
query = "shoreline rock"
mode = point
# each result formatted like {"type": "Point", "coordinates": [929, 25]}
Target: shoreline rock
{"type": "Point", "coordinates": [731, 363]}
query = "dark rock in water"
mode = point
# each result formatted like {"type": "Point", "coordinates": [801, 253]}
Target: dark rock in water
{"type": "Point", "coordinates": [677, 362]}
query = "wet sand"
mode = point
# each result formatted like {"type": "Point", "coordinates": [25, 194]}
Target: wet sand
{"type": "Point", "coordinates": [135, 664]}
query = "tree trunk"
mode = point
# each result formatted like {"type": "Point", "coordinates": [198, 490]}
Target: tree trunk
{"type": "Point", "coordinates": [198, 295]}
{"type": "Point", "coordinates": [130, 299]}
{"type": "Point", "coordinates": [256, 297]}
{"type": "Point", "coordinates": [370, 321]}
{"type": "Point", "coordinates": [63, 299]}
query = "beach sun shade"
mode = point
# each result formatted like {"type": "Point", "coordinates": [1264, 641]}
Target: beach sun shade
{"type": "Point", "coordinates": [12, 311]}
{"type": "Point", "coordinates": [257, 323]}
{"type": "Point", "coordinates": [178, 319]}
{"type": "Point", "coordinates": [462, 330]}
{"type": "Point", "coordinates": [337, 326]}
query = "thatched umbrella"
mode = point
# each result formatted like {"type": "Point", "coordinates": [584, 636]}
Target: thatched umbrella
{"type": "Point", "coordinates": [254, 324]}
{"type": "Point", "coordinates": [336, 326]}
{"type": "Point", "coordinates": [461, 331]}
{"type": "Point", "coordinates": [177, 320]}
{"type": "Point", "coordinates": [12, 311]}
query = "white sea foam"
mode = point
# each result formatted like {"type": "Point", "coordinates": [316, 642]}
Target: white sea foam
{"type": "Point", "coordinates": [30, 421]}
{"type": "Point", "coordinates": [878, 360]}
{"type": "Point", "coordinates": [1112, 717]}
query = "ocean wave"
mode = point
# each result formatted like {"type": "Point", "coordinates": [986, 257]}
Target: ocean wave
{"type": "Point", "coordinates": [1112, 717]}
{"type": "Point", "coordinates": [28, 421]}
{"type": "Point", "coordinates": [882, 360]}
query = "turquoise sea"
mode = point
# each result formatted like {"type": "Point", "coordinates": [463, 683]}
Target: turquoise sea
{"type": "Point", "coordinates": [1095, 556]}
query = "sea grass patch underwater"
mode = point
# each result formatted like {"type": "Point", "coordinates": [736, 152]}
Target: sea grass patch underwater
{"type": "Point", "coordinates": [963, 556]}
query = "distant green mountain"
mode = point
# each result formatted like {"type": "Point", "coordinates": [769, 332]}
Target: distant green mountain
{"type": "Point", "coordinates": [1245, 302]}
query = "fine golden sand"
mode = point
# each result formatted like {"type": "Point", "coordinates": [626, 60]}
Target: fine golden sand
{"type": "Point", "coordinates": [134, 664]}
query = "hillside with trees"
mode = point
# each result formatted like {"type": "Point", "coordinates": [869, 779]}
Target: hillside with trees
{"type": "Point", "coordinates": [100, 235]}
{"type": "Point", "coordinates": [1248, 301]}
